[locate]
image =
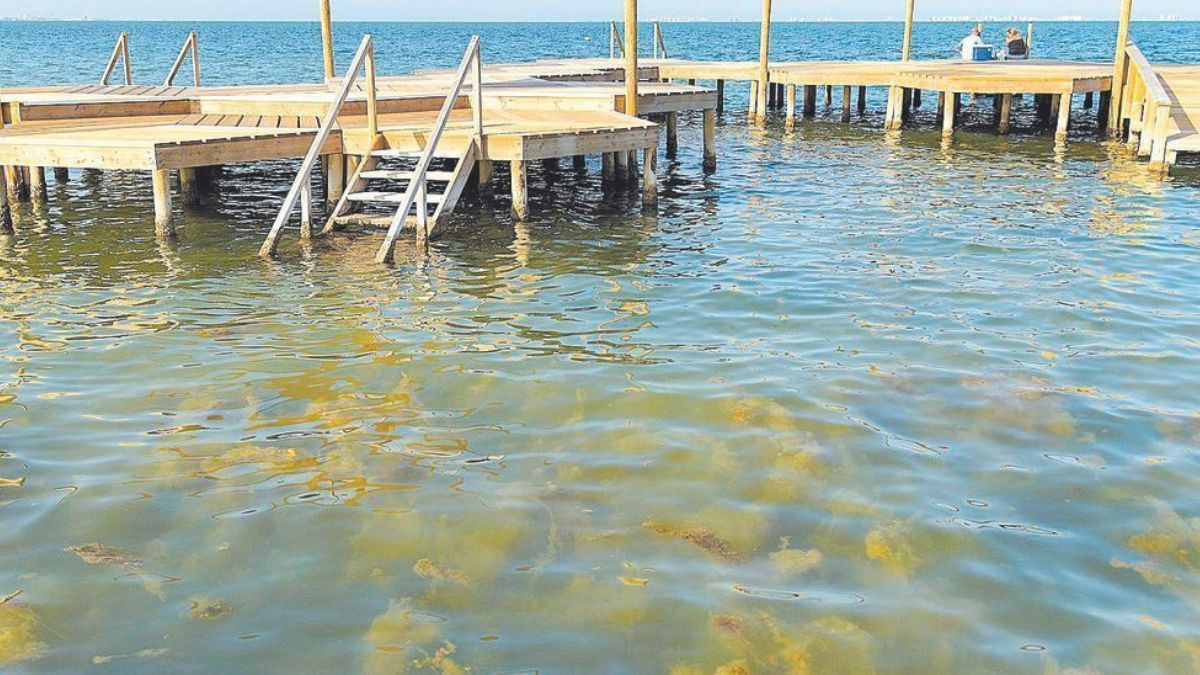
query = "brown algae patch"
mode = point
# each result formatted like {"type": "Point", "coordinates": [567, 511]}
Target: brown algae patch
{"type": "Point", "coordinates": [427, 569]}
{"type": "Point", "coordinates": [99, 554]}
{"type": "Point", "coordinates": [710, 543]}
{"type": "Point", "coordinates": [208, 609]}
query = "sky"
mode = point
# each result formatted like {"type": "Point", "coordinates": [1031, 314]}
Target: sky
{"type": "Point", "coordinates": [578, 10]}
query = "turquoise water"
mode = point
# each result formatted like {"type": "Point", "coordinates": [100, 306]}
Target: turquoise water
{"type": "Point", "coordinates": [856, 402]}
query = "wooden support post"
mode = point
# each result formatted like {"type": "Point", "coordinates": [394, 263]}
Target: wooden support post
{"type": "Point", "coordinates": [61, 175]}
{"type": "Point", "coordinates": [1119, 62]}
{"type": "Point", "coordinates": [1043, 101]}
{"type": "Point", "coordinates": [810, 100]}
{"type": "Point", "coordinates": [6, 224]}
{"type": "Point", "coordinates": [632, 176]}
{"type": "Point", "coordinates": [1087, 100]}
{"type": "Point", "coordinates": [672, 134]}
{"type": "Point", "coordinates": [862, 100]}
{"type": "Point", "coordinates": [847, 92]}
{"type": "Point", "coordinates": [894, 108]}
{"type": "Point", "coordinates": [335, 178]}
{"type": "Point", "coordinates": [580, 163]}
{"type": "Point", "coordinates": [306, 209]}
{"type": "Point", "coordinates": [631, 58]}
{"type": "Point", "coordinates": [906, 48]}
{"type": "Point", "coordinates": [608, 168]}
{"type": "Point", "coordinates": [1102, 110]}
{"type": "Point", "coordinates": [484, 182]}
{"type": "Point", "coordinates": [650, 176]}
{"type": "Point", "coordinates": [720, 96]}
{"type": "Point", "coordinates": [520, 189]}
{"type": "Point", "coordinates": [905, 104]}
{"type": "Point", "coordinates": [828, 97]}
{"type": "Point", "coordinates": [37, 185]}
{"type": "Point", "coordinates": [550, 164]}
{"type": "Point", "coordinates": [710, 140]}
{"type": "Point", "coordinates": [941, 109]}
{"type": "Point", "coordinates": [189, 190]}
{"type": "Point", "coordinates": [1064, 117]}
{"type": "Point", "coordinates": [12, 181]}
{"type": "Point", "coordinates": [752, 112]}
{"type": "Point", "coordinates": [790, 106]}
{"type": "Point", "coordinates": [164, 221]}
{"type": "Point", "coordinates": [948, 115]}
{"type": "Point", "coordinates": [771, 96]}
{"type": "Point", "coordinates": [622, 158]}
{"type": "Point", "coordinates": [327, 40]}
{"type": "Point", "coordinates": [1005, 122]}
{"type": "Point", "coordinates": [916, 98]}
{"type": "Point", "coordinates": [764, 65]}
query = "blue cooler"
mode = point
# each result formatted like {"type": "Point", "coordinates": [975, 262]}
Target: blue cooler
{"type": "Point", "coordinates": [982, 53]}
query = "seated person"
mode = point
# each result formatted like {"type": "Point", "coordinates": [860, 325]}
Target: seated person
{"type": "Point", "coordinates": [968, 44]}
{"type": "Point", "coordinates": [1015, 46]}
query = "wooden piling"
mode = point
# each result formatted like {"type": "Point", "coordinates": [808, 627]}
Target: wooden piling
{"type": "Point", "coordinates": [632, 176]}
{"type": "Point", "coordinates": [189, 189]}
{"type": "Point", "coordinates": [1118, 80]}
{"type": "Point", "coordinates": [37, 185]}
{"type": "Point", "coordinates": [520, 189]}
{"type": "Point", "coordinates": [828, 96]}
{"type": "Point", "coordinates": [790, 106]}
{"type": "Point", "coordinates": [862, 100]}
{"type": "Point", "coordinates": [1064, 117]}
{"type": "Point", "coordinates": [335, 178]}
{"type": "Point", "coordinates": [710, 140]}
{"type": "Point", "coordinates": [327, 39]}
{"type": "Point", "coordinates": [579, 162]}
{"type": "Point", "coordinates": [6, 224]}
{"type": "Point", "coordinates": [752, 112]}
{"type": "Point", "coordinates": [846, 96]}
{"type": "Point", "coordinates": [1005, 121]}
{"type": "Point", "coordinates": [12, 182]}
{"type": "Point", "coordinates": [720, 96]}
{"type": "Point", "coordinates": [916, 98]}
{"type": "Point", "coordinates": [164, 222]}
{"type": "Point", "coordinates": [61, 175]}
{"type": "Point", "coordinates": [1087, 100]}
{"type": "Point", "coordinates": [810, 100]}
{"type": "Point", "coordinates": [608, 168]}
{"type": "Point", "coordinates": [306, 210]}
{"type": "Point", "coordinates": [672, 134]}
{"type": "Point", "coordinates": [484, 179]}
{"type": "Point", "coordinates": [622, 173]}
{"type": "Point", "coordinates": [764, 67]}
{"type": "Point", "coordinates": [948, 114]}
{"type": "Point", "coordinates": [650, 176]}
{"type": "Point", "coordinates": [631, 57]}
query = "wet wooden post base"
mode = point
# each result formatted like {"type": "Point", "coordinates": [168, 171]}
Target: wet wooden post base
{"type": "Point", "coordinates": [862, 100]}
{"type": "Point", "coordinates": [916, 98]}
{"type": "Point", "coordinates": [650, 176]}
{"type": "Point", "coordinates": [948, 114]}
{"type": "Point", "coordinates": [1064, 117]}
{"type": "Point", "coordinates": [335, 178]}
{"type": "Point", "coordinates": [608, 168]}
{"type": "Point", "coordinates": [520, 189]}
{"type": "Point", "coordinates": [672, 134]}
{"type": "Point", "coordinates": [164, 223]}
{"type": "Point", "coordinates": [6, 224]}
{"type": "Point", "coordinates": [828, 96]}
{"type": "Point", "coordinates": [189, 188]}
{"type": "Point", "coordinates": [846, 95]}
{"type": "Point", "coordinates": [61, 175]}
{"type": "Point", "coordinates": [810, 101]}
{"type": "Point", "coordinates": [622, 163]}
{"type": "Point", "coordinates": [579, 162]}
{"type": "Point", "coordinates": [1087, 100]}
{"type": "Point", "coordinates": [37, 185]}
{"type": "Point", "coordinates": [1005, 122]}
{"type": "Point", "coordinates": [720, 96]}
{"type": "Point", "coordinates": [790, 106]}
{"type": "Point", "coordinates": [18, 191]}
{"type": "Point", "coordinates": [752, 111]}
{"type": "Point", "coordinates": [632, 176]}
{"type": "Point", "coordinates": [710, 140]}
{"type": "Point", "coordinates": [484, 179]}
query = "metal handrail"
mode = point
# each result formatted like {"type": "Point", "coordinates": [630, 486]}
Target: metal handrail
{"type": "Point", "coordinates": [191, 44]}
{"type": "Point", "coordinates": [615, 43]}
{"type": "Point", "coordinates": [660, 44]}
{"type": "Point", "coordinates": [120, 49]}
{"type": "Point", "coordinates": [301, 187]}
{"type": "Point", "coordinates": [472, 60]}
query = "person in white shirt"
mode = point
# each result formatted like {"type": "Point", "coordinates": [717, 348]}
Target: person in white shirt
{"type": "Point", "coordinates": [969, 43]}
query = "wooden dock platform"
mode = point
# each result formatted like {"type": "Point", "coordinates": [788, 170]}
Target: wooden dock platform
{"type": "Point", "coordinates": [517, 113]}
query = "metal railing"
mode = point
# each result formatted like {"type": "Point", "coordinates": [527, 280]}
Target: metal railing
{"type": "Point", "coordinates": [615, 44]}
{"type": "Point", "coordinates": [121, 49]}
{"type": "Point", "coordinates": [1146, 106]}
{"type": "Point", "coordinates": [191, 44]}
{"type": "Point", "coordinates": [472, 62]}
{"type": "Point", "coordinates": [660, 44]}
{"type": "Point", "coordinates": [301, 189]}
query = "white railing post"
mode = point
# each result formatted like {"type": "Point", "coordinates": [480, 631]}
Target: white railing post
{"type": "Point", "coordinates": [477, 90]}
{"type": "Point", "coordinates": [120, 50]}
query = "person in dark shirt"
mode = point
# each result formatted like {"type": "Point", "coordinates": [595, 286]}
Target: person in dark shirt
{"type": "Point", "coordinates": [1015, 45]}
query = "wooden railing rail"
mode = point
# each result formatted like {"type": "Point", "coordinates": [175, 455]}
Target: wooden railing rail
{"type": "Point", "coordinates": [191, 44]}
{"type": "Point", "coordinates": [1146, 107]}
{"type": "Point", "coordinates": [472, 63]}
{"type": "Point", "coordinates": [301, 189]}
{"type": "Point", "coordinates": [120, 50]}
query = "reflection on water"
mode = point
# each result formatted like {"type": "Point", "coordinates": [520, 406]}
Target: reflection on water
{"type": "Point", "coordinates": [856, 402]}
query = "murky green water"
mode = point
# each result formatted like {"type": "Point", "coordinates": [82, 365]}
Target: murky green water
{"type": "Point", "coordinates": [858, 402]}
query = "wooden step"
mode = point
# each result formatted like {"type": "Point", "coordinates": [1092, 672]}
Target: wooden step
{"type": "Point", "coordinates": [387, 174]}
{"type": "Point", "coordinates": [403, 154]}
{"type": "Point", "coordinates": [369, 220]}
{"type": "Point", "coordinates": [389, 197]}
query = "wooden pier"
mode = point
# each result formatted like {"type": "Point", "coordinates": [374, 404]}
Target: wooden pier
{"type": "Point", "coordinates": [397, 152]}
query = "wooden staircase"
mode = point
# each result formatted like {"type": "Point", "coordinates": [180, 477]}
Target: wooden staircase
{"type": "Point", "coordinates": [391, 187]}
{"type": "Point", "coordinates": [379, 187]}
